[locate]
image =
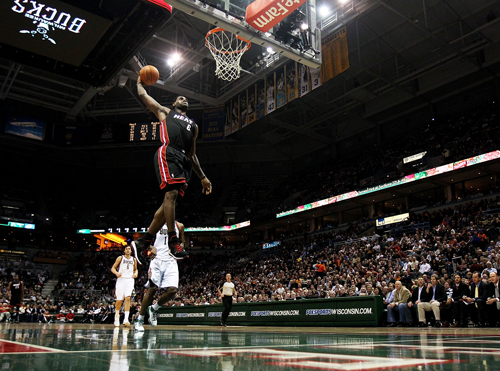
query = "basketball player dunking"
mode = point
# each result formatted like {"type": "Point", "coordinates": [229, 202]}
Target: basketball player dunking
{"type": "Point", "coordinates": [163, 274]}
{"type": "Point", "coordinates": [174, 162]}
{"type": "Point", "coordinates": [125, 268]}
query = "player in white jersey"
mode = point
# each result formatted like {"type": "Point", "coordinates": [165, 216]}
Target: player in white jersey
{"type": "Point", "coordinates": [125, 268]}
{"type": "Point", "coordinates": [163, 273]}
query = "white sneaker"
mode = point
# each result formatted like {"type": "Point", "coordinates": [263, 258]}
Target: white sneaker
{"type": "Point", "coordinates": [152, 316]}
{"type": "Point", "coordinates": [117, 321]}
{"type": "Point", "coordinates": [139, 325]}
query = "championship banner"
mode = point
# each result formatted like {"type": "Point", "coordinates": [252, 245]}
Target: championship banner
{"type": "Point", "coordinates": [213, 124]}
{"type": "Point", "coordinates": [303, 80]}
{"type": "Point", "coordinates": [335, 54]}
{"type": "Point", "coordinates": [270, 93]}
{"type": "Point", "coordinates": [315, 77]}
{"type": "Point", "coordinates": [280, 87]}
{"type": "Point", "coordinates": [292, 86]}
{"type": "Point", "coordinates": [235, 115]}
{"type": "Point", "coordinates": [252, 104]}
{"type": "Point", "coordinates": [261, 99]}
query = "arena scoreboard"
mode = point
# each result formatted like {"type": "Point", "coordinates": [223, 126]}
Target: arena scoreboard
{"type": "Point", "coordinates": [144, 131]}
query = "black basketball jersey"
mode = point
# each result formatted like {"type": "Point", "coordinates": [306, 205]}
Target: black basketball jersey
{"type": "Point", "coordinates": [177, 131]}
{"type": "Point", "coordinates": [15, 289]}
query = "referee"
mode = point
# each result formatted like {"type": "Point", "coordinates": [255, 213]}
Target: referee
{"type": "Point", "coordinates": [228, 291]}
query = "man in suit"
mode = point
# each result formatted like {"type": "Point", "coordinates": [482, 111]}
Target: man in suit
{"type": "Point", "coordinates": [493, 301]}
{"type": "Point", "coordinates": [477, 300]}
{"type": "Point", "coordinates": [419, 294]}
{"type": "Point", "coordinates": [400, 305]}
{"type": "Point", "coordinates": [459, 309]}
{"type": "Point", "coordinates": [436, 295]}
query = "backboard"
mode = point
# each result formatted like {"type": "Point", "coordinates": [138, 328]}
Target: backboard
{"type": "Point", "coordinates": [230, 15]}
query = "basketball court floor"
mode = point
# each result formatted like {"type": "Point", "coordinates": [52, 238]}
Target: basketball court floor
{"type": "Point", "coordinates": [69, 347]}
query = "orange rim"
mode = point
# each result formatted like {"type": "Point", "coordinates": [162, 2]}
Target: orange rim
{"type": "Point", "coordinates": [220, 29]}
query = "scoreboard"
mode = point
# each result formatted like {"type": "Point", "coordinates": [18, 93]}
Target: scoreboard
{"type": "Point", "coordinates": [144, 131]}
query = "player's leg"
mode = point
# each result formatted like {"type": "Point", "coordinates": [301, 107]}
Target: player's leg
{"type": "Point", "coordinates": [174, 243]}
{"type": "Point", "coordinates": [144, 241]}
{"type": "Point", "coordinates": [126, 321]}
{"type": "Point", "coordinates": [118, 306]}
{"type": "Point", "coordinates": [170, 281]}
{"type": "Point", "coordinates": [146, 302]}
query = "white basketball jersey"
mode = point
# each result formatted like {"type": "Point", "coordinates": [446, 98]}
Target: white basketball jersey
{"type": "Point", "coordinates": [161, 243]}
{"type": "Point", "coordinates": [126, 267]}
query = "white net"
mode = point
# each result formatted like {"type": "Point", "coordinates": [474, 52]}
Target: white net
{"type": "Point", "coordinates": [227, 49]}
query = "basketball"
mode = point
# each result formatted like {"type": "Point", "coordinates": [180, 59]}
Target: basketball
{"type": "Point", "coordinates": [149, 75]}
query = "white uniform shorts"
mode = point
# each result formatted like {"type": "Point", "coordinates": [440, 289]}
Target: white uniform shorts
{"type": "Point", "coordinates": [163, 273]}
{"type": "Point", "coordinates": [124, 287]}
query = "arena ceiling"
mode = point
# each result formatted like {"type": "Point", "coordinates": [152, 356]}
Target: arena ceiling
{"type": "Point", "coordinates": [403, 55]}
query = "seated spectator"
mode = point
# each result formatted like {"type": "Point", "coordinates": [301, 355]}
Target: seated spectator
{"type": "Point", "coordinates": [399, 304]}
{"type": "Point", "coordinates": [459, 311]}
{"type": "Point", "coordinates": [434, 297]}
{"type": "Point", "coordinates": [70, 317]}
{"type": "Point", "coordinates": [5, 312]}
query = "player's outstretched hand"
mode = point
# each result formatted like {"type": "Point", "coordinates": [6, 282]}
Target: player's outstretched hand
{"type": "Point", "coordinates": [207, 186]}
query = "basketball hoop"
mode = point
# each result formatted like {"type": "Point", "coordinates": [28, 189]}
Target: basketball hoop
{"type": "Point", "coordinates": [227, 49]}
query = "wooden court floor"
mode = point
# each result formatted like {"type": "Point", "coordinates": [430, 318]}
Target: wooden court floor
{"type": "Point", "coordinates": [71, 347]}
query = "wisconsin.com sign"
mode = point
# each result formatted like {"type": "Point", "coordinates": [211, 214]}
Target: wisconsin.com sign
{"type": "Point", "coordinates": [339, 312]}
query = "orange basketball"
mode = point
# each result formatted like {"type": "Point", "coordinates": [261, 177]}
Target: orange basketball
{"type": "Point", "coordinates": [149, 75]}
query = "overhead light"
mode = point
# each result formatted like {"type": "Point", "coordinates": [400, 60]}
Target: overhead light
{"type": "Point", "coordinates": [304, 26]}
{"type": "Point", "coordinates": [323, 10]}
{"type": "Point", "coordinates": [270, 50]}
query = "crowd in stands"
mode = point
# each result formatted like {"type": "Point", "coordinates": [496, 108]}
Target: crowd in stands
{"type": "Point", "coordinates": [462, 239]}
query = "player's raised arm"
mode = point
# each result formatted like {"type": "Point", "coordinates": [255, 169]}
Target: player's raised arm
{"type": "Point", "coordinates": [207, 185]}
{"type": "Point", "coordinates": [155, 107]}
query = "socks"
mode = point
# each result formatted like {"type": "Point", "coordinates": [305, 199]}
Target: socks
{"type": "Point", "coordinates": [125, 319]}
{"type": "Point", "coordinates": [156, 307]}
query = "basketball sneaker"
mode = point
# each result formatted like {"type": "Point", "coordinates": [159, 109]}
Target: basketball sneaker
{"type": "Point", "coordinates": [137, 248]}
{"type": "Point", "coordinates": [117, 321]}
{"type": "Point", "coordinates": [139, 325]}
{"type": "Point", "coordinates": [176, 249]}
{"type": "Point", "coordinates": [152, 316]}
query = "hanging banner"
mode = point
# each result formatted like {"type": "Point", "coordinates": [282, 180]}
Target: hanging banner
{"type": "Point", "coordinates": [244, 109]}
{"type": "Point", "coordinates": [235, 115]}
{"type": "Point", "coordinates": [227, 119]}
{"type": "Point", "coordinates": [292, 86]}
{"type": "Point", "coordinates": [315, 77]}
{"type": "Point", "coordinates": [280, 87]}
{"type": "Point", "coordinates": [213, 124]}
{"type": "Point", "coordinates": [270, 93]}
{"type": "Point", "coordinates": [303, 80]}
{"type": "Point", "coordinates": [334, 54]}
{"type": "Point", "coordinates": [252, 104]}
{"type": "Point", "coordinates": [261, 99]}
{"type": "Point", "coordinates": [69, 135]}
